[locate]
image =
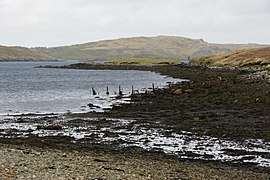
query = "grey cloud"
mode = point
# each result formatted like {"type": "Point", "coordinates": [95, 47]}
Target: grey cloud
{"type": "Point", "coordinates": [61, 22]}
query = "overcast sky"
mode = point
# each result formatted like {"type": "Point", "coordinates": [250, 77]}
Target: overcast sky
{"type": "Point", "coordinates": [63, 22]}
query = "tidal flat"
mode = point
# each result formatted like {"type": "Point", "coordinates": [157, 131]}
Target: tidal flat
{"type": "Point", "coordinates": [219, 117]}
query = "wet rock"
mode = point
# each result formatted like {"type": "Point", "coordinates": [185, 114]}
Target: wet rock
{"type": "Point", "coordinates": [92, 105]}
{"type": "Point", "coordinates": [100, 160]}
{"type": "Point", "coordinates": [50, 127]}
{"type": "Point", "coordinates": [12, 130]}
{"type": "Point", "coordinates": [248, 157]}
{"type": "Point", "coordinates": [106, 109]}
{"type": "Point", "coordinates": [178, 92]}
{"type": "Point", "coordinates": [235, 152]}
{"type": "Point", "coordinates": [30, 130]}
{"type": "Point", "coordinates": [64, 155]}
{"type": "Point", "coordinates": [188, 91]}
{"type": "Point", "coordinates": [113, 169]}
{"type": "Point", "coordinates": [208, 156]}
{"type": "Point", "coordinates": [110, 134]}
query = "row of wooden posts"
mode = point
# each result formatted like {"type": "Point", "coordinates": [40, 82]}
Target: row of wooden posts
{"type": "Point", "coordinates": [120, 92]}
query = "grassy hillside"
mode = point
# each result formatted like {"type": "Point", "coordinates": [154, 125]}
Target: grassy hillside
{"type": "Point", "coordinates": [166, 47]}
{"type": "Point", "coordinates": [144, 61]}
{"type": "Point", "coordinates": [242, 58]}
{"type": "Point", "coordinates": [21, 53]}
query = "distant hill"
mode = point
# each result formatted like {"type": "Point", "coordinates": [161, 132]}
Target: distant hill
{"type": "Point", "coordinates": [259, 57]}
{"type": "Point", "coordinates": [165, 47]}
{"type": "Point", "coordinates": [16, 53]}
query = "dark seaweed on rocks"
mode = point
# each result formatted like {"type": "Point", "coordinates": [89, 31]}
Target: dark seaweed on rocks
{"type": "Point", "coordinates": [217, 102]}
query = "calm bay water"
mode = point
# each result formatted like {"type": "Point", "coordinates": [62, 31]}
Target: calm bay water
{"type": "Point", "coordinates": [25, 89]}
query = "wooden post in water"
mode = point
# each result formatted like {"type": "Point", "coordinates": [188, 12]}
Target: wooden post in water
{"type": "Point", "coordinates": [107, 92]}
{"type": "Point", "coordinates": [120, 92]}
{"type": "Point", "coordinates": [153, 86]}
{"type": "Point", "coordinates": [132, 89]}
{"type": "Point", "coordinates": [93, 91]}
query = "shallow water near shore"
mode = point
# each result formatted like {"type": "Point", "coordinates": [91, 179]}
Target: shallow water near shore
{"type": "Point", "coordinates": [26, 89]}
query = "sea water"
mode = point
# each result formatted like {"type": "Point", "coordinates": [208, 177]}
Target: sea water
{"type": "Point", "coordinates": [26, 89]}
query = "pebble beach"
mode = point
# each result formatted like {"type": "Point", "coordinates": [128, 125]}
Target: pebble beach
{"type": "Point", "coordinates": [25, 162]}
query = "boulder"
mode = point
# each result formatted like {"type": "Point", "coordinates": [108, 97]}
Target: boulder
{"type": "Point", "coordinates": [178, 92]}
{"type": "Point", "coordinates": [188, 91]}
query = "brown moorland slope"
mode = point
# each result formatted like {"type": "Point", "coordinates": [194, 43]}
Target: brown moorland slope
{"type": "Point", "coordinates": [258, 57]}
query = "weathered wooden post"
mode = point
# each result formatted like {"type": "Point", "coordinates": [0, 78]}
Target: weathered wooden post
{"type": "Point", "coordinates": [120, 92]}
{"type": "Point", "coordinates": [93, 91]}
{"type": "Point", "coordinates": [153, 86]}
{"type": "Point", "coordinates": [107, 92]}
{"type": "Point", "coordinates": [132, 89]}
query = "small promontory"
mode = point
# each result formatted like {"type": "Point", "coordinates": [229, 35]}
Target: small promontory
{"type": "Point", "coordinates": [17, 53]}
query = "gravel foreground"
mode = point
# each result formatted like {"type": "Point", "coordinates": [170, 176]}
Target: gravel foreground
{"type": "Point", "coordinates": [25, 162]}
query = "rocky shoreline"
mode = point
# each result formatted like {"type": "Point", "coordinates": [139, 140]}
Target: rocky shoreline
{"type": "Point", "coordinates": [223, 97]}
{"type": "Point", "coordinates": [220, 103]}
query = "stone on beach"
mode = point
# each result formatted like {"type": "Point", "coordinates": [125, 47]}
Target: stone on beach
{"type": "Point", "coordinates": [50, 127]}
